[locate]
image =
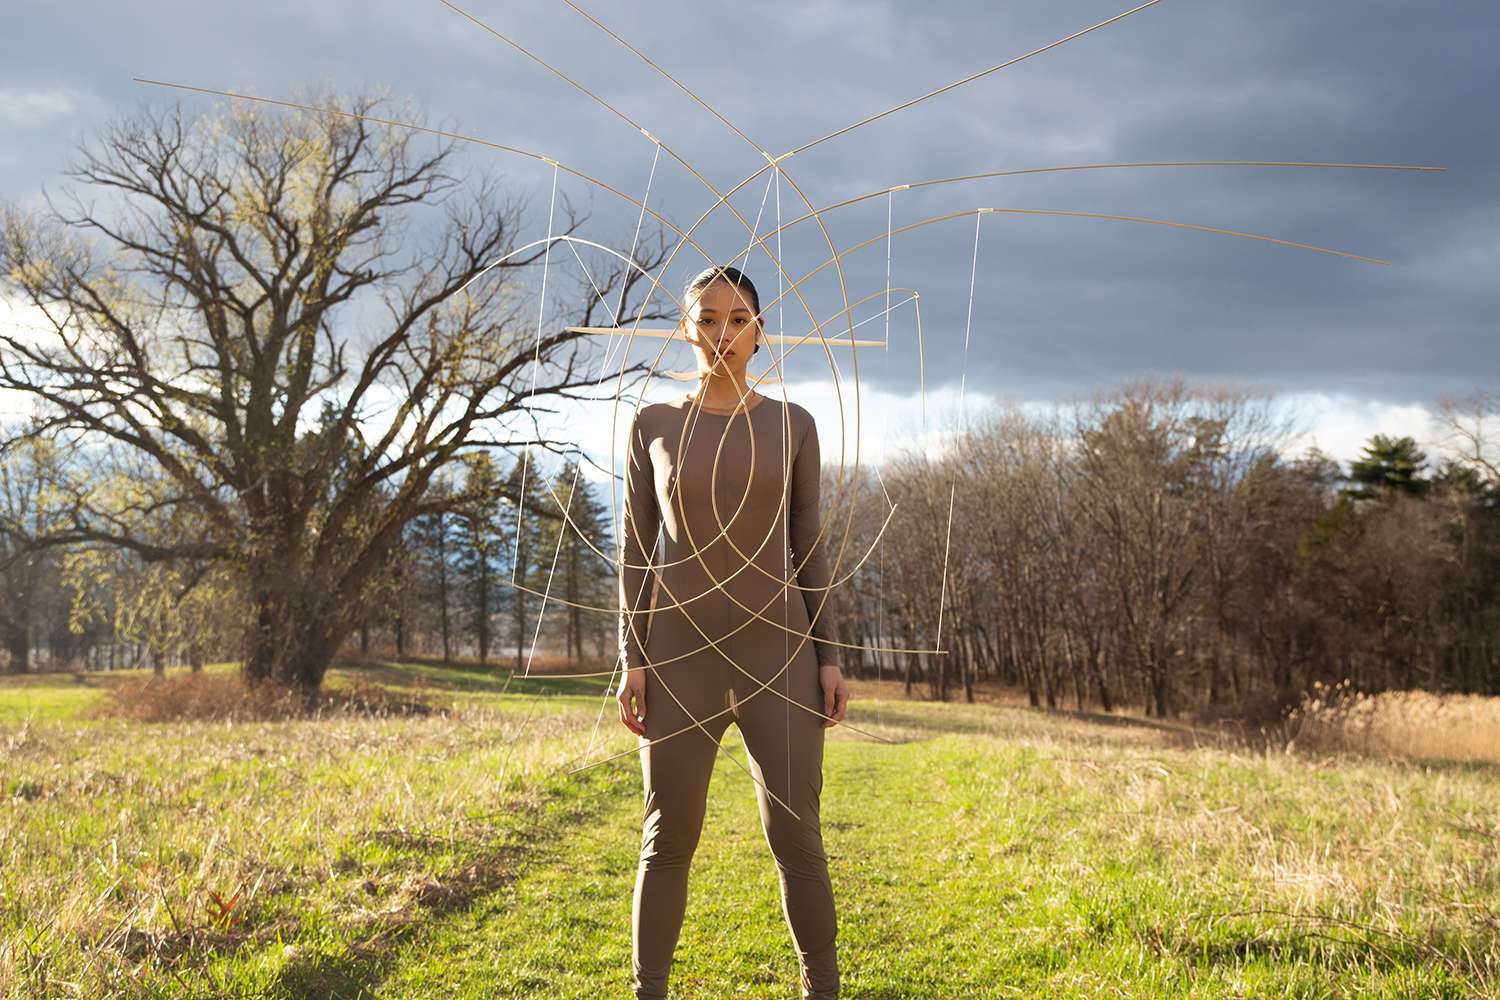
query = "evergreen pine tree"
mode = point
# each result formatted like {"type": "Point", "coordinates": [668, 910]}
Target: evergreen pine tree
{"type": "Point", "coordinates": [481, 546]}
{"type": "Point", "coordinates": [1389, 464]}
{"type": "Point", "coordinates": [584, 572]}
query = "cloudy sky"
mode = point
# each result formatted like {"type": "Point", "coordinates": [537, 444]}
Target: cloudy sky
{"type": "Point", "coordinates": [1061, 304]}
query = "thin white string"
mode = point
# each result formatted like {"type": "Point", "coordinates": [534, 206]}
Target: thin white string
{"type": "Point", "coordinates": [880, 475]}
{"type": "Point", "coordinates": [623, 342]}
{"type": "Point", "coordinates": [639, 222]}
{"type": "Point", "coordinates": [963, 372]}
{"type": "Point", "coordinates": [536, 364]}
{"type": "Point", "coordinates": [953, 487]}
{"type": "Point", "coordinates": [541, 613]}
{"type": "Point", "coordinates": [614, 315]}
{"type": "Point", "coordinates": [770, 180]}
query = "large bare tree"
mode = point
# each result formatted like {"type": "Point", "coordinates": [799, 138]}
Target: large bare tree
{"type": "Point", "coordinates": [286, 323]}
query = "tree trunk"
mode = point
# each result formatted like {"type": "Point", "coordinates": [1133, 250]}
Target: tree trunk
{"type": "Point", "coordinates": [443, 588]}
{"type": "Point", "coordinates": [18, 645]}
{"type": "Point", "coordinates": [1159, 689]}
{"type": "Point", "coordinates": [482, 620]}
{"type": "Point", "coordinates": [574, 615]}
{"type": "Point", "coordinates": [292, 643]}
{"type": "Point", "coordinates": [968, 669]}
{"type": "Point", "coordinates": [520, 629]}
{"type": "Point", "coordinates": [1096, 654]}
{"type": "Point", "coordinates": [518, 573]}
{"type": "Point", "coordinates": [1215, 683]}
{"type": "Point", "coordinates": [1073, 672]}
{"type": "Point", "coordinates": [1028, 672]}
{"type": "Point", "coordinates": [911, 658]}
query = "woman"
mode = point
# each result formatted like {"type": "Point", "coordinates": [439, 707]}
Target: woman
{"type": "Point", "coordinates": [730, 481]}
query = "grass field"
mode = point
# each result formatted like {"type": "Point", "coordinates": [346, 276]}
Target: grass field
{"type": "Point", "coordinates": [984, 852]}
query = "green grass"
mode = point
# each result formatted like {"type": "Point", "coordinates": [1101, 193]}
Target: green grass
{"type": "Point", "coordinates": [469, 685]}
{"type": "Point", "coordinates": [44, 698]}
{"type": "Point", "coordinates": [987, 852]}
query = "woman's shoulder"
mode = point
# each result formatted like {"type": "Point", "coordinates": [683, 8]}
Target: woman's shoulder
{"type": "Point", "coordinates": [772, 404]}
{"type": "Point", "coordinates": [671, 411]}
{"type": "Point", "coordinates": [797, 417]}
{"type": "Point", "coordinates": [797, 412]}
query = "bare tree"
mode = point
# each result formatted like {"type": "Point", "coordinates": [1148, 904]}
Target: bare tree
{"type": "Point", "coordinates": [292, 322]}
{"type": "Point", "coordinates": [1009, 514]}
{"type": "Point", "coordinates": [1139, 451]}
{"type": "Point", "coordinates": [1472, 423]}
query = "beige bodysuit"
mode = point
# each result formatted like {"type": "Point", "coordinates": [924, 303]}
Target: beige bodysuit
{"type": "Point", "coordinates": [721, 522]}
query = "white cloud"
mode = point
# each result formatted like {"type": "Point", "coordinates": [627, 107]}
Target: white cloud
{"type": "Point", "coordinates": [28, 107]}
{"type": "Point", "coordinates": [892, 424]}
{"type": "Point", "coordinates": [23, 322]}
{"type": "Point", "coordinates": [1340, 425]}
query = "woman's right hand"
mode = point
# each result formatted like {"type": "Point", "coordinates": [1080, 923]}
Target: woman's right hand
{"type": "Point", "coordinates": [632, 699]}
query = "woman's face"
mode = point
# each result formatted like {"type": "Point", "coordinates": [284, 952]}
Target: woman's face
{"type": "Point", "coordinates": [721, 328]}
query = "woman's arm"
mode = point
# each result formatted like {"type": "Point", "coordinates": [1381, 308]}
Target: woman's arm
{"type": "Point", "coordinates": [811, 561]}
{"type": "Point", "coordinates": [639, 528]}
{"type": "Point", "coordinates": [835, 694]}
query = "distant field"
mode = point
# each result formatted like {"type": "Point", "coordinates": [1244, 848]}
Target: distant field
{"type": "Point", "coordinates": [987, 851]}
{"type": "Point", "coordinates": [43, 698]}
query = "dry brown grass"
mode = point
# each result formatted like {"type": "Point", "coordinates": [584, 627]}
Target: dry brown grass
{"type": "Point", "coordinates": [1399, 723]}
{"type": "Point", "coordinates": [986, 692]}
{"type": "Point", "coordinates": [200, 697]}
{"type": "Point", "coordinates": [221, 697]}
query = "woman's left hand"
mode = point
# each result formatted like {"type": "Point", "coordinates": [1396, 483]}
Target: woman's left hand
{"type": "Point", "coordinates": [835, 694]}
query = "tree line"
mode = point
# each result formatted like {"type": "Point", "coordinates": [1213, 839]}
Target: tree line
{"type": "Point", "coordinates": [1152, 547]}
{"type": "Point", "coordinates": [1155, 547]}
{"type": "Point", "coordinates": [483, 578]}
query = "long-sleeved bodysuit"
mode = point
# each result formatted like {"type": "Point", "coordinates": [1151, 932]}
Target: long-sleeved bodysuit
{"type": "Point", "coordinates": [738, 579]}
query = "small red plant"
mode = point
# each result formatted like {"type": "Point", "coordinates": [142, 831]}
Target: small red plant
{"type": "Point", "coordinates": [222, 911]}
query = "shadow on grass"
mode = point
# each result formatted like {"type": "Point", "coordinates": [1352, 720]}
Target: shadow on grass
{"type": "Point", "coordinates": [427, 901]}
{"type": "Point", "coordinates": [356, 972]}
{"type": "Point", "coordinates": [472, 679]}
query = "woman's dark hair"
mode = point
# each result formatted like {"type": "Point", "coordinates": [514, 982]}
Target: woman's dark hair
{"type": "Point", "coordinates": [731, 276]}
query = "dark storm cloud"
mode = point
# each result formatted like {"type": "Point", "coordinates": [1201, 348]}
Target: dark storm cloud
{"type": "Point", "coordinates": [1060, 303]}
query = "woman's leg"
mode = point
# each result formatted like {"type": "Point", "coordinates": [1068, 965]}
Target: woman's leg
{"type": "Point", "coordinates": [786, 746]}
{"type": "Point", "coordinates": [677, 772]}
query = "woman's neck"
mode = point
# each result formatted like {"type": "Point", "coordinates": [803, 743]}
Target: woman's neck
{"type": "Point", "coordinates": [724, 393]}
